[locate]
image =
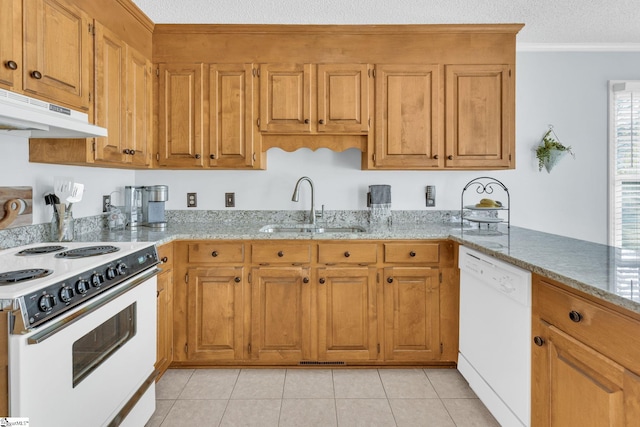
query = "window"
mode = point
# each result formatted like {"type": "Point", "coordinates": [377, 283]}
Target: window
{"type": "Point", "coordinates": [624, 179]}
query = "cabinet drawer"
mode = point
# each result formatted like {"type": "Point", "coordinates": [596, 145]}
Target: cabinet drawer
{"type": "Point", "coordinates": [349, 253]}
{"type": "Point", "coordinates": [414, 253]}
{"type": "Point", "coordinates": [278, 253]}
{"type": "Point", "coordinates": [165, 255]}
{"type": "Point", "coordinates": [216, 252]}
{"type": "Point", "coordinates": [612, 334]}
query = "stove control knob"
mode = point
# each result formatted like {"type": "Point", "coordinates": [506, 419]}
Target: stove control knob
{"type": "Point", "coordinates": [122, 268]}
{"type": "Point", "coordinates": [97, 279]}
{"type": "Point", "coordinates": [111, 273]}
{"type": "Point", "coordinates": [66, 294]}
{"type": "Point", "coordinates": [82, 286]}
{"type": "Point", "coordinates": [46, 302]}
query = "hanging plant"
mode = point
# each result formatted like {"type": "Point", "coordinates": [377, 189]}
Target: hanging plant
{"type": "Point", "coordinates": [550, 151]}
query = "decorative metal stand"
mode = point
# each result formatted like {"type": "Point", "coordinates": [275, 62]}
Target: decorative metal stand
{"type": "Point", "coordinates": [485, 186]}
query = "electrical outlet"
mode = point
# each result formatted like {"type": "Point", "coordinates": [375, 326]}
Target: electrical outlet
{"type": "Point", "coordinates": [106, 202]}
{"type": "Point", "coordinates": [230, 200]}
{"type": "Point", "coordinates": [192, 200]}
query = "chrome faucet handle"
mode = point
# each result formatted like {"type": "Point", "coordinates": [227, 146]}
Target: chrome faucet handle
{"type": "Point", "coordinates": [321, 213]}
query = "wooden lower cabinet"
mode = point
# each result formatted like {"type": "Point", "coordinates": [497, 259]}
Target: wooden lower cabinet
{"type": "Point", "coordinates": [164, 306]}
{"type": "Point", "coordinates": [412, 314]}
{"type": "Point", "coordinates": [280, 314]}
{"type": "Point", "coordinates": [215, 313]}
{"type": "Point", "coordinates": [575, 382]}
{"type": "Point", "coordinates": [347, 314]}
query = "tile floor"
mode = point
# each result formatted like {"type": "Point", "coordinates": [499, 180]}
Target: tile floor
{"type": "Point", "coordinates": [317, 397]}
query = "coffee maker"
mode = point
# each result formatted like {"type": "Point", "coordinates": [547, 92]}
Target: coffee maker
{"type": "Point", "coordinates": [133, 206]}
{"type": "Point", "coordinates": [153, 198]}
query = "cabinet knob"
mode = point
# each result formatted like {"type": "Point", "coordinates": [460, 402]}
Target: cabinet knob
{"type": "Point", "coordinates": [435, 156]}
{"type": "Point", "coordinates": [575, 316]}
{"type": "Point", "coordinates": [389, 279]}
{"type": "Point", "coordinates": [214, 254]}
{"type": "Point", "coordinates": [212, 156]}
{"type": "Point", "coordinates": [305, 280]}
{"type": "Point", "coordinates": [539, 341]}
{"type": "Point", "coordinates": [36, 75]}
{"type": "Point", "coordinates": [12, 65]}
{"type": "Point", "coordinates": [280, 254]}
{"type": "Point", "coordinates": [197, 156]}
{"type": "Point", "coordinates": [321, 121]}
{"type": "Point", "coordinates": [132, 151]}
{"type": "Point", "coordinates": [322, 281]}
{"type": "Point", "coordinates": [412, 254]}
{"type": "Point", "coordinates": [347, 254]}
{"type": "Point", "coordinates": [164, 260]}
{"type": "Point", "coordinates": [450, 157]}
{"type": "Point", "coordinates": [237, 280]}
{"type": "Point", "coordinates": [306, 121]}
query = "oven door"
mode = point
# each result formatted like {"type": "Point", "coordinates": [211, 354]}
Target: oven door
{"type": "Point", "coordinates": [83, 369]}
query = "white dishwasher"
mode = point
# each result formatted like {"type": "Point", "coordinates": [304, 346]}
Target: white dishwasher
{"type": "Point", "coordinates": [495, 335]}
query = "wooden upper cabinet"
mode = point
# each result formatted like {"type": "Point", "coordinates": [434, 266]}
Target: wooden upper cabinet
{"type": "Point", "coordinates": [285, 98]}
{"type": "Point", "coordinates": [407, 134]}
{"type": "Point", "coordinates": [57, 50]}
{"type": "Point", "coordinates": [181, 114]}
{"type": "Point", "coordinates": [231, 112]}
{"type": "Point", "coordinates": [10, 45]}
{"type": "Point", "coordinates": [479, 116]}
{"type": "Point", "coordinates": [139, 108]}
{"type": "Point", "coordinates": [343, 98]}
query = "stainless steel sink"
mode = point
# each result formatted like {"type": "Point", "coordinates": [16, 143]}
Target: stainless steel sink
{"type": "Point", "coordinates": [310, 228]}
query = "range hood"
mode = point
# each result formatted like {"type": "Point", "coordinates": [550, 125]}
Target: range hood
{"type": "Point", "coordinates": [34, 118]}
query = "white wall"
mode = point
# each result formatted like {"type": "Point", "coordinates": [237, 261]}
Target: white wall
{"type": "Point", "coordinates": [568, 90]}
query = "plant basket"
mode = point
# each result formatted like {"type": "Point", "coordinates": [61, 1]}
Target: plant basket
{"type": "Point", "coordinates": [550, 151]}
{"type": "Point", "coordinates": [554, 158]}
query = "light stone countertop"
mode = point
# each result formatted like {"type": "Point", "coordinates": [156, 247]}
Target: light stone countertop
{"type": "Point", "coordinates": [589, 267]}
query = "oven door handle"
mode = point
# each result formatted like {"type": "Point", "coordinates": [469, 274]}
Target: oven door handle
{"type": "Point", "coordinates": [90, 307]}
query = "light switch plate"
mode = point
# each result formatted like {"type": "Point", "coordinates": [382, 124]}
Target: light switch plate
{"type": "Point", "coordinates": [230, 200]}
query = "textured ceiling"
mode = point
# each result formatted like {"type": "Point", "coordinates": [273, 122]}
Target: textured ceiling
{"type": "Point", "coordinates": [552, 22]}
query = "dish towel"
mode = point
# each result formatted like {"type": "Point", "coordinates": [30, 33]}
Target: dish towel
{"type": "Point", "coordinates": [379, 195]}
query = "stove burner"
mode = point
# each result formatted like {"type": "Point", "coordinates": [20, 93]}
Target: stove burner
{"type": "Point", "coordinates": [20, 275]}
{"type": "Point", "coordinates": [41, 250]}
{"type": "Point", "coordinates": [87, 252]}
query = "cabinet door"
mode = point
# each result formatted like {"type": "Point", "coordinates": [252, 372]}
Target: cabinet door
{"type": "Point", "coordinates": [407, 116]}
{"type": "Point", "coordinates": [576, 385]}
{"type": "Point", "coordinates": [280, 314]}
{"type": "Point", "coordinates": [231, 115]}
{"type": "Point", "coordinates": [139, 108]}
{"type": "Point", "coordinates": [165, 321]}
{"type": "Point", "coordinates": [347, 322]}
{"type": "Point", "coordinates": [285, 98]}
{"type": "Point", "coordinates": [215, 314]}
{"type": "Point", "coordinates": [180, 110]}
{"type": "Point", "coordinates": [412, 314]}
{"type": "Point", "coordinates": [479, 115]}
{"type": "Point", "coordinates": [343, 98]}
{"type": "Point", "coordinates": [110, 59]}
{"type": "Point", "coordinates": [57, 46]}
{"type": "Point", "coordinates": [10, 45]}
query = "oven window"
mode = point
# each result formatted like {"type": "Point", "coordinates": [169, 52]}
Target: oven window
{"type": "Point", "coordinates": [98, 345]}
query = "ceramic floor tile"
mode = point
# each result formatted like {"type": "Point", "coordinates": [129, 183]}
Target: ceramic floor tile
{"type": "Point", "coordinates": [420, 413]}
{"type": "Point", "coordinates": [469, 413]}
{"type": "Point", "coordinates": [172, 383]}
{"type": "Point", "coordinates": [259, 384]}
{"type": "Point", "coordinates": [407, 383]}
{"type": "Point", "coordinates": [449, 384]}
{"type": "Point", "coordinates": [364, 413]}
{"type": "Point", "coordinates": [308, 413]}
{"type": "Point", "coordinates": [210, 384]}
{"type": "Point", "coordinates": [195, 413]}
{"type": "Point", "coordinates": [357, 383]}
{"type": "Point", "coordinates": [308, 383]}
{"type": "Point", "coordinates": [248, 413]}
{"type": "Point", "coordinates": [162, 409]}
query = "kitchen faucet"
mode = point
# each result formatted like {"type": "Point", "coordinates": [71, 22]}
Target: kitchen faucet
{"type": "Point", "coordinates": [296, 196]}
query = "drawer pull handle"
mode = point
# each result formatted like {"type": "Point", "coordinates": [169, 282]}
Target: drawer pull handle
{"type": "Point", "coordinates": [305, 280]}
{"type": "Point", "coordinates": [389, 279]}
{"type": "Point", "coordinates": [539, 341]}
{"type": "Point", "coordinates": [412, 254]}
{"type": "Point", "coordinates": [322, 281]}
{"type": "Point", "coordinates": [164, 260]}
{"type": "Point", "coordinates": [214, 254]}
{"type": "Point", "coordinates": [347, 254]}
{"type": "Point", "coordinates": [12, 65]}
{"type": "Point", "coordinates": [575, 316]}
{"type": "Point", "coordinates": [280, 254]}
{"type": "Point", "coordinates": [237, 280]}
